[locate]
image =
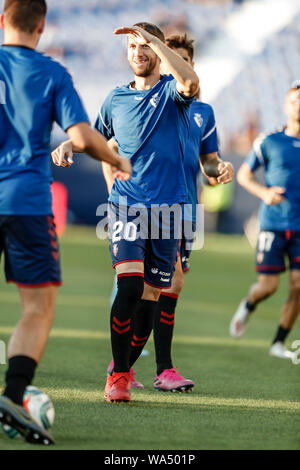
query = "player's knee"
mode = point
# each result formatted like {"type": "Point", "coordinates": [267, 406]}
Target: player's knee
{"type": "Point", "coordinates": [294, 287]}
{"type": "Point", "coordinates": [177, 284]}
{"type": "Point", "coordinates": [270, 287]}
{"type": "Point", "coordinates": [131, 287]}
{"type": "Point", "coordinates": [38, 313]}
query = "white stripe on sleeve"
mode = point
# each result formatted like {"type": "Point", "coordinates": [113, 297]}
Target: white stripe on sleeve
{"type": "Point", "coordinates": [208, 133]}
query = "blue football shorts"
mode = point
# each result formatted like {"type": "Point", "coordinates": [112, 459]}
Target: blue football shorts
{"type": "Point", "coordinates": [273, 247]}
{"type": "Point", "coordinates": [146, 236]}
{"type": "Point", "coordinates": [31, 250]}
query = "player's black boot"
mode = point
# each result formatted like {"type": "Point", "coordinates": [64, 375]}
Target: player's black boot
{"type": "Point", "coordinates": [18, 418]}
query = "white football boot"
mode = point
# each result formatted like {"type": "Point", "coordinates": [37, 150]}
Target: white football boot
{"type": "Point", "coordinates": [278, 349]}
{"type": "Point", "coordinates": [239, 321]}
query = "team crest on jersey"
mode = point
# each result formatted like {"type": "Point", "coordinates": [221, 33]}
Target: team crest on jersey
{"type": "Point", "coordinates": [198, 119]}
{"type": "Point", "coordinates": [154, 270]}
{"type": "Point", "coordinates": [154, 100]}
{"type": "Point", "coordinates": [115, 249]}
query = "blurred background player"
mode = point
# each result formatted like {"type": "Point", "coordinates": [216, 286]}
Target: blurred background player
{"type": "Point", "coordinates": [39, 91]}
{"type": "Point", "coordinates": [149, 121]}
{"type": "Point", "coordinates": [279, 154]}
{"type": "Point", "coordinates": [201, 151]}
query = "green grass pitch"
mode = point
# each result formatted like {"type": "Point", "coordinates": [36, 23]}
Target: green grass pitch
{"type": "Point", "coordinates": [243, 398]}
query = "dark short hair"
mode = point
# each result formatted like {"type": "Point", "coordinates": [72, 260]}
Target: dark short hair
{"type": "Point", "coordinates": [152, 29]}
{"type": "Point", "coordinates": [177, 41]}
{"type": "Point", "coordinates": [25, 15]}
{"type": "Point", "coordinates": [295, 86]}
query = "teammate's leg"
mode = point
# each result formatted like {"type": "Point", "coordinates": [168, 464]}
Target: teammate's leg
{"type": "Point", "coordinates": [289, 314]}
{"type": "Point", "coordinates": [25, 349]}
{"type": "Point", "coordinates": [144, 318]}
{"type": "Point", "coordinates": [164, 320]}
{"type": "Point", "coordinates": [265, 286]}
{"type": "Point", "coordinates": [270, 262]}
{"type": "Point", "coordinates": [167, 377]}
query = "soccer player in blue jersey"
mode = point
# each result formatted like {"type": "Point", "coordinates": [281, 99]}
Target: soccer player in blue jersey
{"type": "Point", "coordinates": [201, 151]}
{"type": "Point", "coordinates": [279, 154]}
{"type": "Point", "coordinates": [149, 120]}
{"type": "Point", "coordinates": [38, 91]}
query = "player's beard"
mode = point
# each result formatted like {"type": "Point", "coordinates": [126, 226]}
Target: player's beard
{"type": "Point", "coordinates": [151, 64]}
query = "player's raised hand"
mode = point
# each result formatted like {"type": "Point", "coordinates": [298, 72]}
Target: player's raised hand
{"type": "Point", "coordinates": [273, 196]}
{"type": "Point", "coordinates": [226, 172]}
{"type": "Point", "coordinates": [139, 34]}
{"type": "Point", "coordinates": [63, 155]}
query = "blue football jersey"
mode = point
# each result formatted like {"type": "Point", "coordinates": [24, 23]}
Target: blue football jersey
{"type": "Point", "coordinates": [202, 140]}
{"type": "Point", "coordinates": [280, 156]}
{"type": "Point", "coordinates": [151, 129]}
{"type": "Point", "coordinates": [36, 91]}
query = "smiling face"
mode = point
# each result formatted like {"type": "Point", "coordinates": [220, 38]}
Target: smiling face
{"type": "Point", "coordinates": [143, 61]}
{"type": "Point", "coordinates": [292, 105]}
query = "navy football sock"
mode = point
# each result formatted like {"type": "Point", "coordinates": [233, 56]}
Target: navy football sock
{"type": "Point", "coordinates": [143, 324]}
{"type": "Point", "coordinates": [281, 334]}
{"type": "Point", "coordinates": [130, 290]}
{"type": "Point", "coordinates": [19, 375]}
{"type": "Point", "coordinates": [163, 331]}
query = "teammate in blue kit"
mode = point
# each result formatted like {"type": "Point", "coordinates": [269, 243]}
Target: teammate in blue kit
{"type": "Point", "coordinates": [149, 120]}
{"type": "Point", "coordinates": [38, 91]}
{"type": "Point", "coordinates": [279, 154]}
{"type": "Point", "coordinates": [201, 150]}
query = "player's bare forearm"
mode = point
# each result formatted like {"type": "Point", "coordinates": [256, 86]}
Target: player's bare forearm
{"type": "Point", "coordinates": [109, 172]}
{"type": "Point", "coordinates": [109, 176]}
{"type": "Point", "coordinates": [84, 139]}
{"type": "Point", "coordinates": [216, 170]}
{"type": "Point", "coordinates": [247, 180]}
{"type": "Point", "coordinates": [88, 140]}
{"type": "Point", "coordinates": [270, 195]}
{"type": "Point", "coordinates": [184, 74]}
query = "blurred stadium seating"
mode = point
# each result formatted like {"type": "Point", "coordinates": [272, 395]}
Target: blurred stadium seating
{"type": "Point", "coordinates": [80, 35]}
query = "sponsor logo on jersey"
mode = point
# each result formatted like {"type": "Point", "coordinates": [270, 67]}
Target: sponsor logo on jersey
{"type": "Point", "coordinates": [296, 143]}
{"type": "Point", "coordinates": [154, 270]}
{"type": "Point", "coordinates": [198, 119]}
{"type": "Point", "coordinates": [164, 280]}
{"type": "Point", "coordinates": [154, 100]}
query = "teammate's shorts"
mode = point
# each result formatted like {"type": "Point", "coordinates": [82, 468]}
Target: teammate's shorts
{"type": "Point", "coordinates": [272, 249]}
{"type": "Point", "coordinates": [148, 238]}
{"type": "Point", "coordinates": [30, 249]}
{"type": "Point", "coordinates": [186, 248]}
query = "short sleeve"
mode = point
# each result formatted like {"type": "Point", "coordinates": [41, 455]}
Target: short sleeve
{"type": "Point", "coordinates": [103, 122]}
{"type": "Point", "coordinates": [256, 157]}
{"type": "Point", "coordinates": [69, 109]}
{"type": "Point", "coordinates": [180, 99]}
{"type": "Point", "coordinates": [209, 141]}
